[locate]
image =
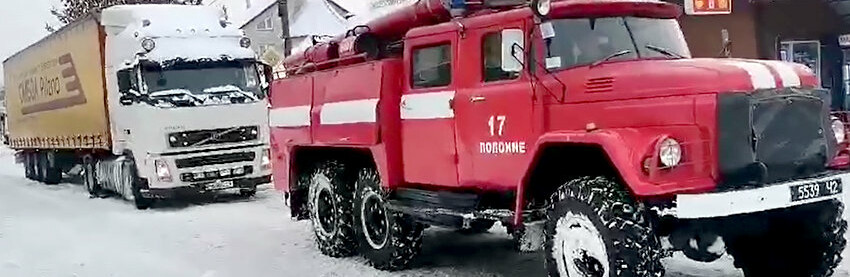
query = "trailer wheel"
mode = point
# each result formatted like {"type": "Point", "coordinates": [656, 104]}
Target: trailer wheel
{"type": "Point", "coordinates": [29, 166]}
{"type": "Point", "coordinates": [130, 177]}
{"type": "Point", "coordinates": [39, 165]}
{"type": "Point", "coordinates": [52, 170]}
{"type": "Point", "coordinates": [800, 241]}
{"type": "Point", "coordinates": [90, 176]}
{"type": "Point", "coordinates": [389, 240]}
{"type": "Point", "coordinates": [594, 228]}
{"type": "Point", "coordinates": [329, 202]}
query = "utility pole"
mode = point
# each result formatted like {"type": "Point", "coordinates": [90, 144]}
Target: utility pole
{"type": "Point", "coordinates": [283, 12]}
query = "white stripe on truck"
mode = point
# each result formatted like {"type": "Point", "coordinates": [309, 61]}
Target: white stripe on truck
{"type": "Point", "coordinates": [432, 105]}
{"type": "Point", "coordinates": [345, 112]}
{"type": "Point", "coordinates": [296, 116]}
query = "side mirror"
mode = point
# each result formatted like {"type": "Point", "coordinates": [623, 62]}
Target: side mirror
{"type": "Point", "coordinates": [124, 80]}
{"type": "Point", "coordinates": [512, 50]}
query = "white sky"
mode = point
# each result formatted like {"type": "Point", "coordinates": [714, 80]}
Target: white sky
{"type": "Point", "coordinates": [21, 24]}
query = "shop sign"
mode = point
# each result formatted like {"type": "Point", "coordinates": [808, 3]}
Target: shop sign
{"type": "Point", "coordinates": [708, 7]}
{"type": "Point", "coordinates": [844, 40]}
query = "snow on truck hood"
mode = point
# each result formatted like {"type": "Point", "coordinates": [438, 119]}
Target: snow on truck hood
{"type": "Point", "coordinates": [184, 32]}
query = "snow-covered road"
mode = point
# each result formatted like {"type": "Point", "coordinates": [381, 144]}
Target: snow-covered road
{"type": "Point", "coordinates": [58, 231]}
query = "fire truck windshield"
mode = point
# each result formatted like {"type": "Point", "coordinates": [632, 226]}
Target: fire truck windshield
{"type": "Point", "coordinates": [584, 41]}
{"type": "Point", "coordinates": [202, 83]}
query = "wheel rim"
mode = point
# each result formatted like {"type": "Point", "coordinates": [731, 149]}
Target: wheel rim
{"type": "Point", "coordinates": [325, 212]}
{"type": "Point", "coordinates": [375, 223]}
{"type": "Point", "coordinates": [578, 248]}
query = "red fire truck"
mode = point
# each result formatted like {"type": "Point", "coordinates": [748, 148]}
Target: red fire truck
{"type": "Point", "coordinates": [584, 127]}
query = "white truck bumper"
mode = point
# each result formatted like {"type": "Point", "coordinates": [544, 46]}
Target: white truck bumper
{"type": "Point", "coordinates": [768, 197]}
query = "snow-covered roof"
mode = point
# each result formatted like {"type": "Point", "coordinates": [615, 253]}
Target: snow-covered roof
{"type": "Point", "coordinates": [332, 9]}
{"type": "Point", "coordinates": [316, 17]}
{"type": "Point", "coordinates": [257, 7]}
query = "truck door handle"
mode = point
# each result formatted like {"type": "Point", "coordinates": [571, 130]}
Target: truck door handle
{"type": "Point", "coordinates": [477, 99]}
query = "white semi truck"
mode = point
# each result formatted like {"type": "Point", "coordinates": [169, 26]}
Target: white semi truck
{"type": "Point", "coordinates": [150, 101]}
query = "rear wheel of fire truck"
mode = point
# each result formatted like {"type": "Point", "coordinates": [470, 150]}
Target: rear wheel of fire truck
{"type": "Point", "coordinates": [389, 240]}
{"type": "Point", "coordinates": [329, 199]}
{"type": "Point", "coordinates": [90, 177]}
{"type": "Point", "coordinates": [131, 181]}
{"type": "Point", "coordinates": [800, 241]}
{"type": "Point", "coordinates": [594, 228]}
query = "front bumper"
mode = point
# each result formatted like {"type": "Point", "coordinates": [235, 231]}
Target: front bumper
{"type": "Point", "coordinates": [201, 188]}
{"type": "Point", "coordinates": [768, 197]}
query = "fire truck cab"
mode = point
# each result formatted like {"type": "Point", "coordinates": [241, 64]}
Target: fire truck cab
{"type": "Point", "coordinates": [584, 127]}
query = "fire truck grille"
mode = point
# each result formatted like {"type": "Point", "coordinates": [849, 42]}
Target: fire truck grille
{"type": "Point", "coordinates": [215, 159]}
{"type": "Point", "coordinates": [773, 135]}
{"type": "Point", "coordinates": [213, 136]}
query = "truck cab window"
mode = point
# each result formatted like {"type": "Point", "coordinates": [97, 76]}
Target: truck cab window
{"type": "Point", "coordinates": [126, 82]}
{"type": "Point", "coordinates": [432, 66]}
{"type": "Point", "coordinates": [491, 50]}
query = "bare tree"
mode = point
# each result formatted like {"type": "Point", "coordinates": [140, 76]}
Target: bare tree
{"type": "Point", "coordinates": [73, 9]}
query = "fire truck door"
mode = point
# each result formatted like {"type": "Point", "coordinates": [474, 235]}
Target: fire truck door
{"type": "Point", "coordinates": [493, 109]}
{"type": "Point", "coordinates": [427, 117]}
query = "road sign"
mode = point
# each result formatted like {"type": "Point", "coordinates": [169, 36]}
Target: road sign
{"type": "Point", "coordinates": [708, 7]}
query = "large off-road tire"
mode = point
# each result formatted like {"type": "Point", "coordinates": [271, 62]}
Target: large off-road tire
{"type": "Point", "coordinates": [52, 170]}
{"type": "Point", "coordinates": [389, 240]}
{"type": "Point", "coordinates": [331, 189]}
{"type": "Point", "coordinates": [477, 226]}
{"type": "Point", "coordinates": [131, 178]}
{"type": "Point", "coordinates": [594, 228]}
{"type": "Point", "coordinates": [799, 241]}
{"type": "Point", "coordinates": [90, 177]}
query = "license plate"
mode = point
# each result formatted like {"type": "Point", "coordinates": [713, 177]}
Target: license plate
{"type": "Point", "coordinates": [815, 189]}
{"type": "Point", "coordinates": [220, 185]}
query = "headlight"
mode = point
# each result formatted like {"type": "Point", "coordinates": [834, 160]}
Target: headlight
{"type": "Point", "coordinates": [148, 44]}
{"type": "Point", "coordinates": [245, 42]}
{"type": "Point", "coordinates": [162, 171]}
{"type": "Point", "coordinates": [541, 7]}
{"type": "Point", "coordinates": [265, 159]}
{"type": "Point", "coordinates": [838, 129]}
{"type": "Point", "coordinates": [670, 152]}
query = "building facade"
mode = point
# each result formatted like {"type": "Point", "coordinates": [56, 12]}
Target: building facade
{"type": "Point", "coordinates": [307, 18]}
{"type": "Point", "coordinates": [811, 32]}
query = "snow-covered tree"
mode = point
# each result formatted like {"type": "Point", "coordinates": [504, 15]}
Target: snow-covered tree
{"type": "Point", "coordinates": [73, 9]}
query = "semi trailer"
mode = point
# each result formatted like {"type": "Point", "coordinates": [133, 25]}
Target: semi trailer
{"type": "Point", "coordinates": [143, 101]}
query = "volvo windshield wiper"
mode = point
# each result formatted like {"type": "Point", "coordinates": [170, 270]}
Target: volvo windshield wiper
{"type": "Point", "coordinates": [664, 51]}
{"type": "Point", "coordinates": [609, 57]}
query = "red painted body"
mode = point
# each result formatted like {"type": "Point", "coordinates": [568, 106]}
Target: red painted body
{"type": "Point", "coordinates": [624, 107]}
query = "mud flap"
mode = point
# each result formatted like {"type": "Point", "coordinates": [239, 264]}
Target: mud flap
{"type": "Point", "coordinates": [531, 238]}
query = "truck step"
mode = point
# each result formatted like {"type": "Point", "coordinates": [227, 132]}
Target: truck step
{"type": "Point", "coordinates": [442, 208]}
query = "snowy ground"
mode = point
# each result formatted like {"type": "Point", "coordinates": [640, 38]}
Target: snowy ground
{"type": "Point", "coordinates": [58, 231]}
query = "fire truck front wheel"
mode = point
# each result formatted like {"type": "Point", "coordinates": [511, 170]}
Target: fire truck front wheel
{"type": "Point", "coordinates": [389, 240]}
{"type": "Point", "coordinates": [593, 228]}
{"type": "Point", "coordinates": [329, 195]}
{"type": "Point", "coordinates": [800, 241]}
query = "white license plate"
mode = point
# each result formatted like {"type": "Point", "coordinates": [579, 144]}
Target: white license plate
{"type": "Point", "coordinates": [816, 189]}
{"type": "Point", "coordinates": [220, 185]}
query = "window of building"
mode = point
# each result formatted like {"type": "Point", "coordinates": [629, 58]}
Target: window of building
{"type": "Point", "coordinates": [432, 66]}
{"type": "Point", "coordinates": [491, 50]}
{"type": "Point", "coordinates": [266, 24]}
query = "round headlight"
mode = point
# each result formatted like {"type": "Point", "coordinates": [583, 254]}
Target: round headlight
{"type": "Point", "coordinates": [172, 138]}
{"type": "Point", "coordinates": [541, 8]}
{"type": "Point", "coordinates": [245, 42]}
{"type": "Point", "coordinates": [670, 152]}
{"type": "Point", "coordinates": [838, 129]}
{"type": "Point", "coordinates": [148, 44]}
